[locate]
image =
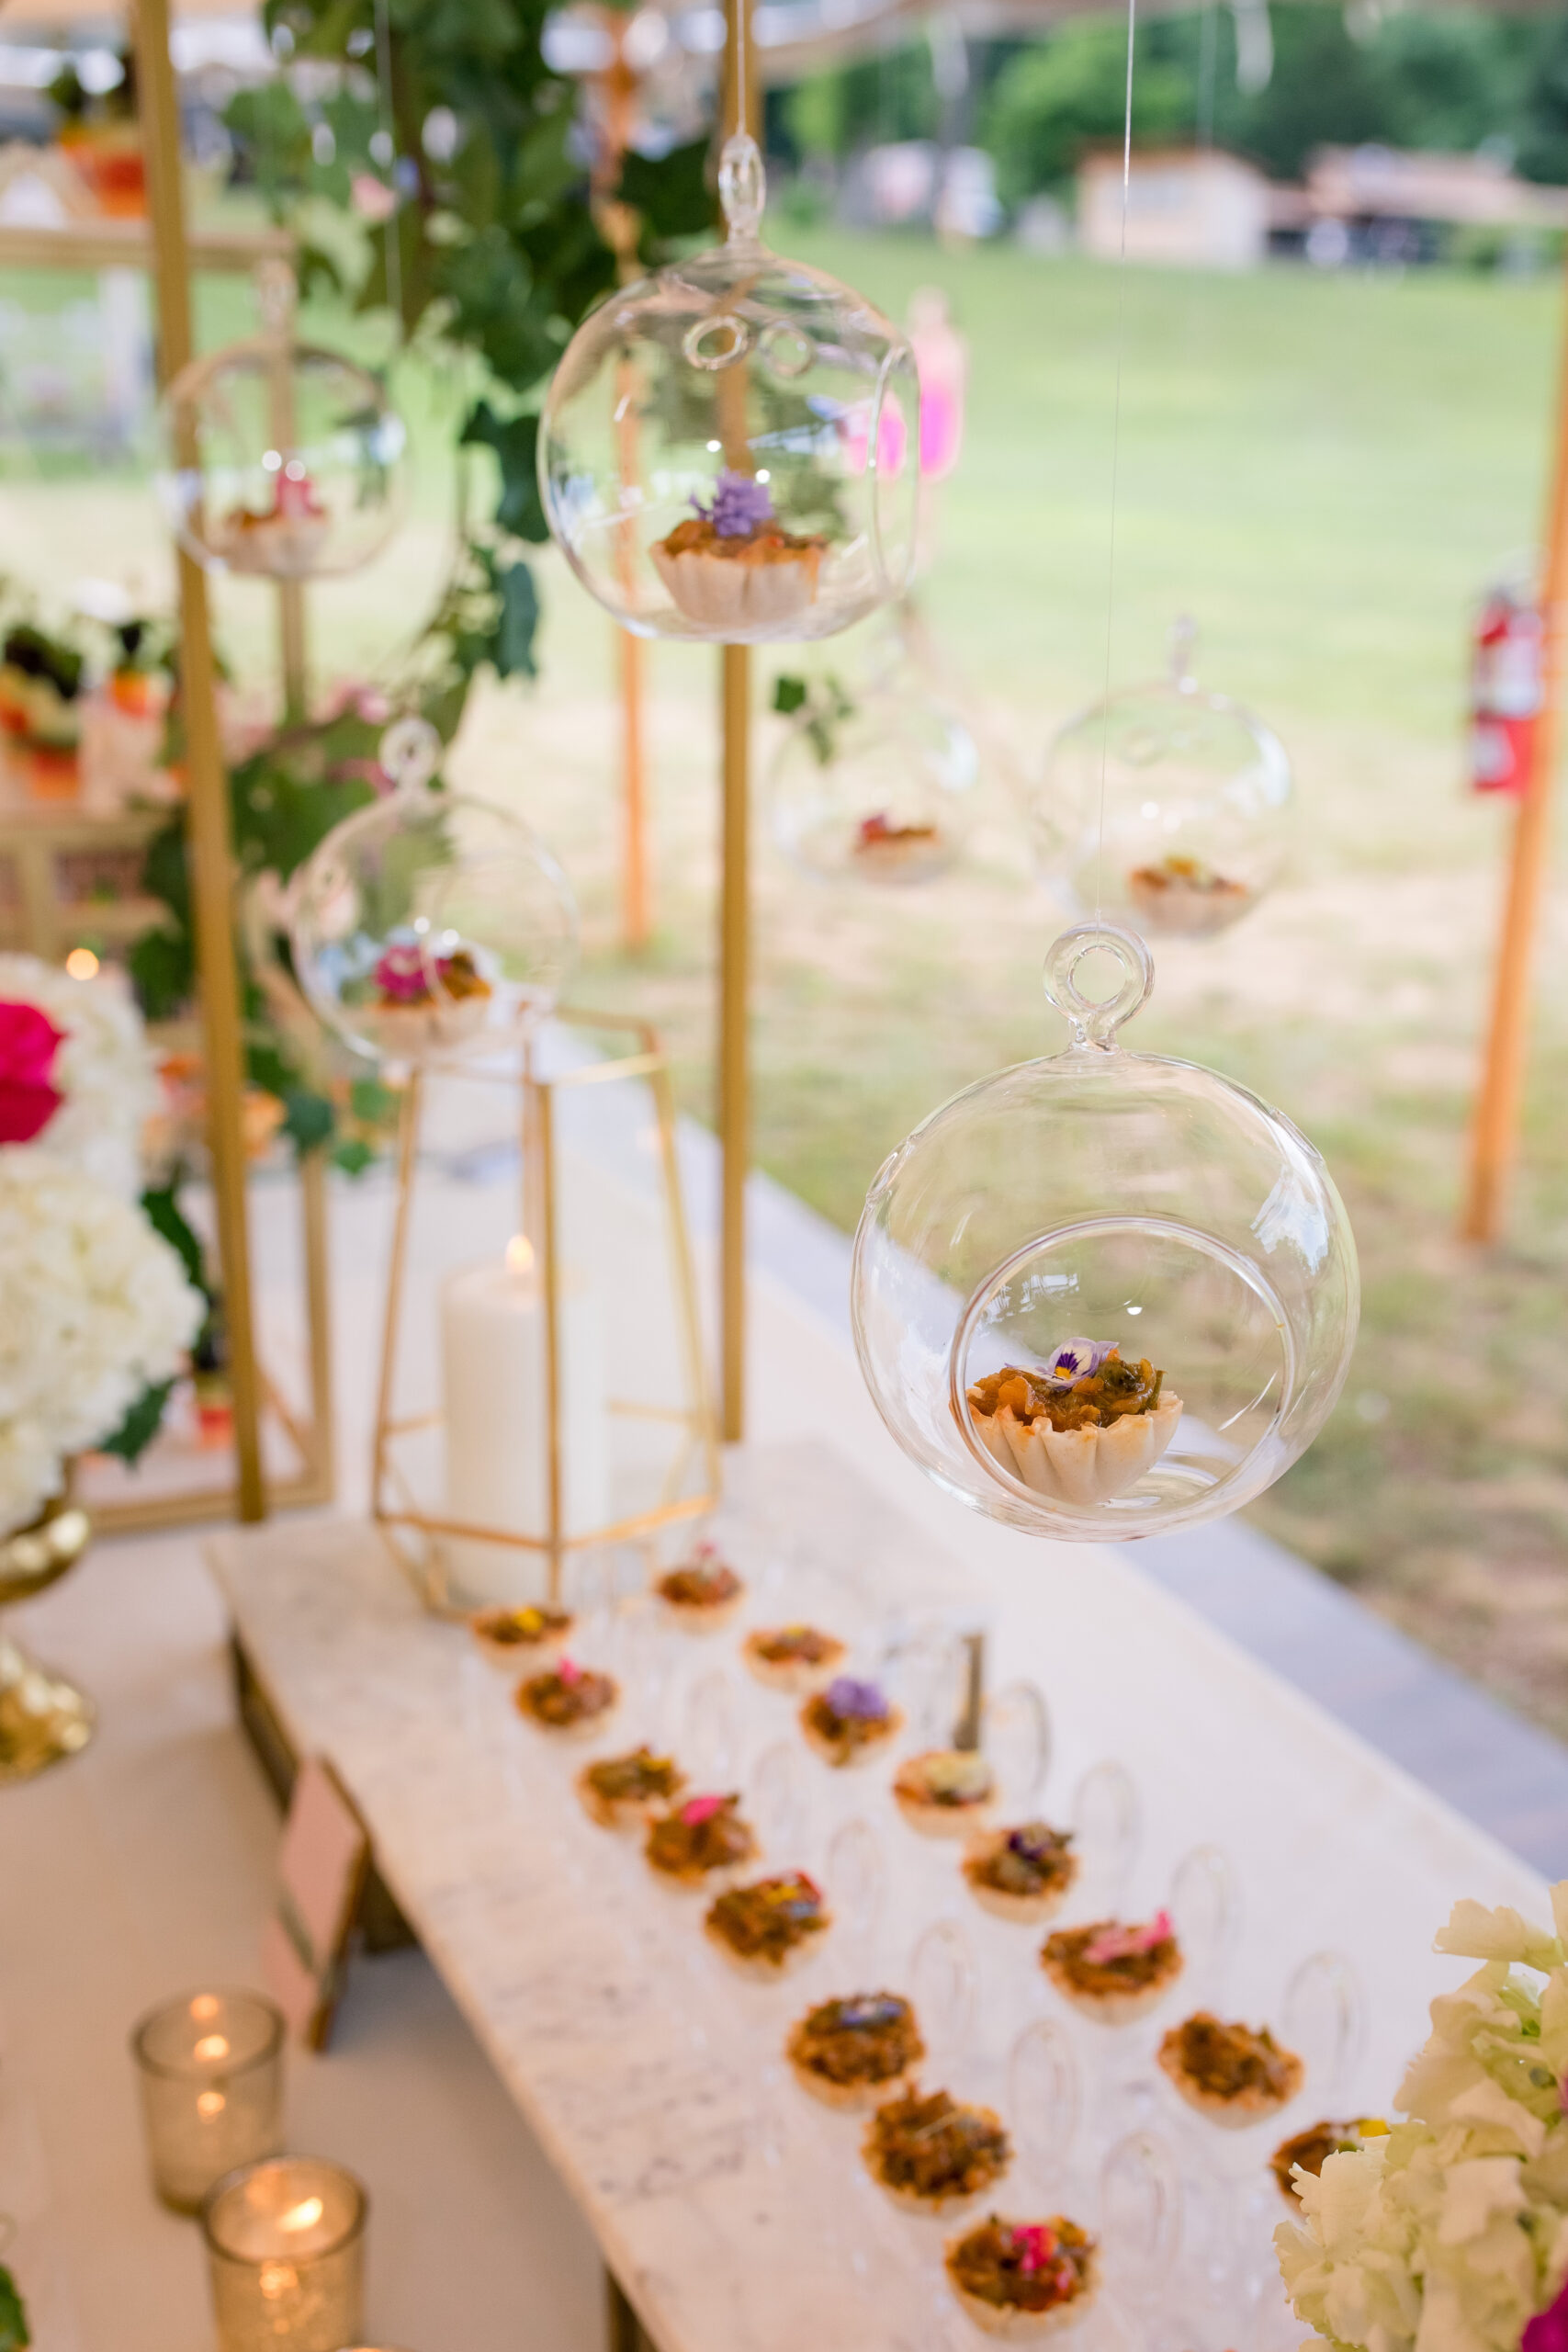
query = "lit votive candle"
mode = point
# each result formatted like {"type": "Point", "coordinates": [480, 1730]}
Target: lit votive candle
{"type": "Point", "coordinates": [286, 2249]}
{"type": "Point", "coordinates": [211, 2068]}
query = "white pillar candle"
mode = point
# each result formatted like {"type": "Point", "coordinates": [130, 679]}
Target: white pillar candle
{"type": "Point", "coordinates": [496, 1407]}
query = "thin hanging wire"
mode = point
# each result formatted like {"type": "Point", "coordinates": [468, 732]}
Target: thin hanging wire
{"type": "Point", "coordinates": [388, 132]}
{"type": "Point", "coordinates": [1207, 62]}
{"type": "Point", "coordinates": [1115, 457]}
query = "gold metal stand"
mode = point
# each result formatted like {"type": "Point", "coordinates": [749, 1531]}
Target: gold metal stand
{"type": "Point", "coordinates": [416, 1532]}
{"type": "Point", "coordinates": [43, 1718]}
{"type": "Point", "coordinates": [211, 845]}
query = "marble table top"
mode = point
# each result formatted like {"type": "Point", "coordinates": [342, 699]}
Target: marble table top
{"type": "Point", "coordinates": [734, 2211]}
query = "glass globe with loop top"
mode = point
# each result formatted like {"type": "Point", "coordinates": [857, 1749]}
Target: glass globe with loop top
{"type": "Point", "coordinates": [729, 449]}
{"type": "Point", "coordinates": [876, 778]}
{"type": "Point", "coordinates": [1165, 804]}
{"type": "Point", "coordinates": [283, 461]}
{"type": "Point", "coordinates": [430, 927]}
{"type": "Point", "coordinates": [1104, 1294]}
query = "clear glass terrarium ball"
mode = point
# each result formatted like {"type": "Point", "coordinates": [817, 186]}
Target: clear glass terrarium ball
{"type": "Point", "coordinates": [729, 449]}
{"type": "Point", "coordinates": [432, 926]}
{"type": "Point", "coordinates": [282, 461]}
{"type": "Point", "coordinates": [874, 784]}
{"type": "Point", "coordinates": [1104, 1294]}
{"type": "Point", "coordinates": [1192, 793]}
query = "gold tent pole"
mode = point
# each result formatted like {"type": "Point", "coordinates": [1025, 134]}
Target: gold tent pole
{"type": "Point", "coordinates": [207, 812]}
{"type": "Point", "coordinates": [1495, 1136]}
{"type": "Point", "coordinates": [735, 894]}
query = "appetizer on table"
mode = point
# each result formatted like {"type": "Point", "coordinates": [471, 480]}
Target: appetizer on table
{"type": "Point", "coordinates": [512, 1637]}
{"type": "Point", "coordinates": [1183, 894]}
{"type": "Point", "coordinates": [1110, 1972]}
{"type": "Point", "coordinates": [703, 1844]}
{"type": "Point", "coordinates": [793, 1658]}
{"type": "Point", "coordinates": [933, 2154]}
{"type": "Point", "coordinates": [570, 1699]}
{"type": "Point", "coordinates": [770, 1926]}
{"type": "Point", "coordinates": [855, 2052]}
{"type": "Point", "coordinates": [850, 1722]}
{"type": "Point", "coordinates": [946, 1791]}
{"type": "Point", "coordinates": [1023, 2279]}
{"type": "Point", "coordinates": [1080, 1429]}
{"type": "Point", "coordinates": [623, 1792]}
{"type": "Point", "coordinates": [1230, 2073]}
{"type": "Point", "coordinates": [1023, 1873]}
{"type": "Point", "coordinates": [702, 1595]}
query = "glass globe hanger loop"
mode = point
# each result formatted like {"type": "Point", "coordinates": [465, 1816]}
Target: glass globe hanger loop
{"type": "Point", "coordinates": [431, 927]}
{"type": "Point", "coordinates": [1104, 1294]}
{"type": "Point", "coordinates": [729, 448]}
{"type": "Point", "coordinates": [284, 460]}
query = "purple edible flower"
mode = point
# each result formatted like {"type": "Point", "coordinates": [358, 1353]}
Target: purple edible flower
{"type": "Point", "coordinates": [1076, 1360]}
{"type": "Point", "coordinates": [1031, 1845]}
{"type": "Point", "coordinates": [860, 1701]}
{"type": "Point", "coordinates": [870, 2008]}
{"type": "Point", "coordinates": [1548, 2332]}
{"type": "Point", "coordinates": [739, 506]}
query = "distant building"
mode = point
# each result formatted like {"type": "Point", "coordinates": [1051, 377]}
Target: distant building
{"type": "Point", "coordinates": [1194, 207]}
{"type": "Point", "coordinates": [1368, 183]}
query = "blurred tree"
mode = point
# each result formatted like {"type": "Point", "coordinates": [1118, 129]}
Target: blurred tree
{"type": "Point", "coordinates": [1052, 101]}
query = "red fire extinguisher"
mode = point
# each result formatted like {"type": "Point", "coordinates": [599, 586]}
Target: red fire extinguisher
{"type": "Point", "coordinates": [1505, 691]}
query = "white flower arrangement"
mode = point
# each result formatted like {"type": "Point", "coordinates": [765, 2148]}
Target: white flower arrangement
{"type": "Point", "coordinates": [1452, 2234]}
{"type": "Point", "coordinates": [104, 1068]}
{"type": "Point", "coordinates": [95, 1307]}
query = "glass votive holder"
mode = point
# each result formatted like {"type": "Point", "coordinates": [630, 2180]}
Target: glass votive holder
{"type": "Point", "coordinates": [286, 2251]}
{"type": "Point", "coordinates": [211, 2070]}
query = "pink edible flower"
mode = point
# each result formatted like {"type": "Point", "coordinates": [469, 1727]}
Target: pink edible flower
{"type": "Point", "coordinates": [568, 1673]}
{"type": "Point", "coordinates": [1548, 2332]}
{"type": "Point", "coordinates": [400, 976]}
{"type": "Point", "coordinates": [29, 1043]}
{"type": "Point", "coordinates": [1034, 2247]}
{"type": "Point", "coordinates": [697, 1810]}
{"type": "Point", "coordinates": [1126, 1943]}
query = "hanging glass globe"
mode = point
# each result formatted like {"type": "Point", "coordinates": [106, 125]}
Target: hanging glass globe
{"type": "Point", "coordinates": [432, 926]}
{"type": "Point", "coordinates": [1195, 794]}
{"type": "Point", "coordinates": [875, 780]}
{"type": "Point", "coordinates": [729, 449]}
{"type": "Point", "coordinates": [283, 461]}
{"type": "Point", "coordinates": [1104, 1294]}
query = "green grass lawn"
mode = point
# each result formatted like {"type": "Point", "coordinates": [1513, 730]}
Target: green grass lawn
{"type": "Point", "coordinates": [1325, 470]}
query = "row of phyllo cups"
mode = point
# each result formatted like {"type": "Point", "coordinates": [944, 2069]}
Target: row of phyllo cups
{"type": "Point", "coordinates": [863, 2051]}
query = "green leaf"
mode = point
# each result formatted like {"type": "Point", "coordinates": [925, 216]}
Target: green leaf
{"type": "Point", "coordinates": [513, 646]}
{"type": "Point", "coordinates": [161, 1206]}
{"type": "Point", "coordinates": [672, 192]}
{"type": "Point", "coordinates": [515, 441]}
{"type": "Point", "coordinates": [789, 695]}
{"type": "Point", "coordinates": [162, 972]}
{"type": "Point", "coordinates": [370, 1101]}
{"type": "Point", "coordinates": [353, 1156]}
{"type": "Point", "coordinates": [308, 1118]}
{"type": "Point", "coordinates": [14, 2335]}
{"type": "Point", "coordinates": [130, 1441]}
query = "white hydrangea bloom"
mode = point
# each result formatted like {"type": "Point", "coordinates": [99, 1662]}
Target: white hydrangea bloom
{"type": "Point", "coordinates": [94, 1307]}
{"type": "Point", "coordinates": [1452, 2234]}
{"type": "Point", "coordinates": [105, 1069]}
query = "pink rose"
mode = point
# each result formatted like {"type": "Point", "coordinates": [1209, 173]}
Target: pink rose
{"type": "Point", "coordinates": [29, 1043]}
{"type": "Point", "coordinates": [1548, 2332]}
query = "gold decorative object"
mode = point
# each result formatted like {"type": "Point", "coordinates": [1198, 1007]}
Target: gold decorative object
{"type": "Point", "coordinates": [678, 1480]}
{"type": "Point", "coordinates": [42, 1717]}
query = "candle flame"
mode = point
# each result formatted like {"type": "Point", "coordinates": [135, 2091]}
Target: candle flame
{"type": "Point", "coordinates": [204, 2006]}
{"type": "Point", "coordinates": [303, 2216]}
{"type": "Point", "coordinates": [520, 1255]}
{"type": "Point", "coordinates": [276, 2278]}
{"type": "Point", "coordinates": [211, 2046]}
{"type": "Point", "coordinates": [82, 964]}
{"type": "Point", "coordinates": [211, 2103]}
